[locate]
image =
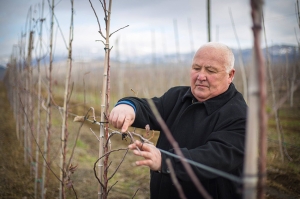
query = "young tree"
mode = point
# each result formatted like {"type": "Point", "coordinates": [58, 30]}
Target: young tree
{"type": "Point", "coordinates": [37, 152]}
{"type": "Point", "coordinates": [49, 99]}
{"type": "Point", "coordinates": [105, 96]}
{"type": "Point", "coordinates": [64, 132]}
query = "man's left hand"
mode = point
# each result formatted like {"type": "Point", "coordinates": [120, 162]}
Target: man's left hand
{"type": "Point", "coordinates": [151, 154]}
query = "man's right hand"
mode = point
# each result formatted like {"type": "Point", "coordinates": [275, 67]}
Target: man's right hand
{"type": "Point", "coordinates": [122, 117]}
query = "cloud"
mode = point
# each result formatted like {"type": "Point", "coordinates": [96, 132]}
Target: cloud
{"type": "Point", "coordinates": [151, 24]}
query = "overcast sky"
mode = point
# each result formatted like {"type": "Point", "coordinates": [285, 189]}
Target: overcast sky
{"type": "Point", "coordinates": [151, 25]}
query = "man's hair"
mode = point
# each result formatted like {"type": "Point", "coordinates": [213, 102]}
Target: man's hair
{"type": "Point", "coordinates": [227, 53]}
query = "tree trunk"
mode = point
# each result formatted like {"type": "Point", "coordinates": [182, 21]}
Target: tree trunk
{"type": "Point", "coordinates": [208, 20]}
{"type": "Point", "coordinates": [256, 113]}
{"type": "Point", "coordinates": [102, 165]}
{"type": "Point", "coordinates": [279, 133]}
{"type": "Point", "coordinates": [64, 131]}
{"type": "Point", "coordinates": [38, 128]}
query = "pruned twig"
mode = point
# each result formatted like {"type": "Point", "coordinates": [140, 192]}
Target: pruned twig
{"type": "Point", "coordinates": [174, 179]}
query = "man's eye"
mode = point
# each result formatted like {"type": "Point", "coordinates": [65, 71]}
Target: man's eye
{"type": "Point", "coordinates": [211, 70]}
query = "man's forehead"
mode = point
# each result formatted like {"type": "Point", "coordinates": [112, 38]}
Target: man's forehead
{"type": "Point", "coordinates": [203, 65]}
{"type": "Point", "coordinates": [209, 65]}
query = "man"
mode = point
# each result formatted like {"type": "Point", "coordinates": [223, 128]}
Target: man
{"type": "Point", "coordinates": [207, 120]}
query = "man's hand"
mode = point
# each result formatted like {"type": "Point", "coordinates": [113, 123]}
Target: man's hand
{"type": "Point", "coordinates": [121, 117]}
{"type": "Point", "coordinates": [151, 154]}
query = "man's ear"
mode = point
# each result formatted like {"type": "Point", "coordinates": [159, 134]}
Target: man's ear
{"type": "Point", "coordinates": [231, 75]}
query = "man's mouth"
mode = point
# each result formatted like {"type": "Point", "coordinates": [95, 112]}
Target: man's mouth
{"type": "Point", "coordinates": [201, 86]}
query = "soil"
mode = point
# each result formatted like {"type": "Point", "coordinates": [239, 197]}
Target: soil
{"type": "Point", "coordinates": [283, 185]}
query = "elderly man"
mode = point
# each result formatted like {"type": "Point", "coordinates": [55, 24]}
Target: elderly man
{"type": "Point", "coordinates": [207, 119]}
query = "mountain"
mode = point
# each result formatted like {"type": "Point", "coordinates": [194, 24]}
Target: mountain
{"type": "Point", "coordinates": [278, 53]}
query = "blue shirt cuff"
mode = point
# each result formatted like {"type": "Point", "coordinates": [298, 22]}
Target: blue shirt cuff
{"type": "Point", "coordinates": [128, 103]}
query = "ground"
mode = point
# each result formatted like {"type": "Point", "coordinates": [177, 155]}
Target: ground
{"type": "Point", "coordinates": [283, 180]}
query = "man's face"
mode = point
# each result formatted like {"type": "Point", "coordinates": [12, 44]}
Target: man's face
{"type": "Point", "coordinates": [208, 73]}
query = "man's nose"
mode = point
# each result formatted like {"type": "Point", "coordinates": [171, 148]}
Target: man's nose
{"type": "Point", "coordinates": [201, 76]}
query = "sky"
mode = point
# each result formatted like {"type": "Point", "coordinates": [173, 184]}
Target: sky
{"type": "Point", "coordinates": [153, 26]}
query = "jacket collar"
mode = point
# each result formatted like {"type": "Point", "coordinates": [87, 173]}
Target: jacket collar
{"type": "Point", "coordinates": [214, 103]}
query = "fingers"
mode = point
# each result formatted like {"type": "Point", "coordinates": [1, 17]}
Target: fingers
{"type": "Point", "coordinates": [140, 145]}
{"type": "Point", "coordinates": [151, 154]}
{"type": "Point", "coordinates": [116, 120]}
{"type": "Point", "coordinates": [127, 122]}
{"type": "Point", "coordinates": [143, 162]}
{"type": "Point", "coordinates": [122, 117]}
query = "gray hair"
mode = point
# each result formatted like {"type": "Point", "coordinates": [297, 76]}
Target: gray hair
{"type": "Point", "coordinates": [229, 56]}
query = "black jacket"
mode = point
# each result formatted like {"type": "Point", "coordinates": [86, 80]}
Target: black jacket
{"type": "Point", "coordinates": [211, 133]}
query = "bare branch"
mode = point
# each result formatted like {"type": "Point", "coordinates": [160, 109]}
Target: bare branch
{"type": "Point", "coordinates": [62, 35]}
{"type": "Point", "coordinates": [118, 30]}
{"type": "Point", "coordinates": [112, 134]}
{"type": "Point", "coordinates": [97, 20]}
{"type": "Point", "coordinates": [106, 169]}
{"type": "Point", "coordinates": [283, 99]}
{"type": "Point", "coordinates": [104, 9]}
{"type": "Point", "coordinates": [41, 152]}
{"type": "Point", "coordinates": [101, 41]}
{"type": "Point", "coordinates": [95, 164]}
{"type": "Point", "coordinates": [111, 187]}
{"type": "Point", "coordinates": [174, 179]}
{"type": "Point", "coordinates": [141, 138]}
{"type": "Point", "coordinates": [77, 135]}
{"type": "Point", "coordinates": [135, 193]}
{"type": "Point", "coordinates": [71, 92]}
{"type": "Point", "coordinates": [112, 175]}
{"type": "Point", "coordinates": [95, 134]}
{"type": "Point", "coordinates": [74, 191]}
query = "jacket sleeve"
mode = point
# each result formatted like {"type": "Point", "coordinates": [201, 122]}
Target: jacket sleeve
{"type": "Point", "coordinates": [145, 116]}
